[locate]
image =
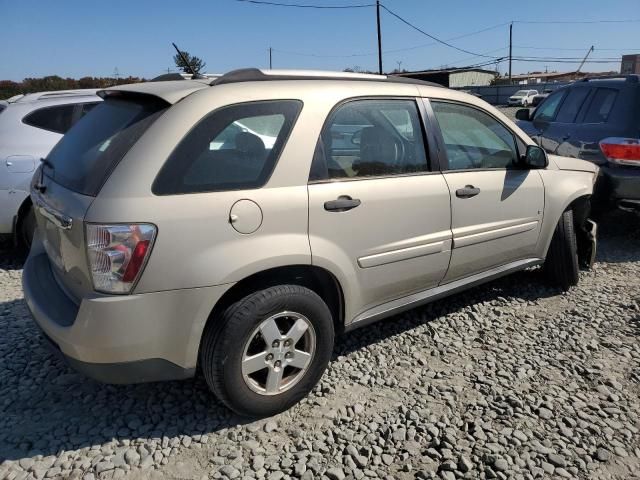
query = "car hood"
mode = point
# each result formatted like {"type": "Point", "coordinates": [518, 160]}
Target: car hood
{"type": "Point", "coordinates": [573, 164]}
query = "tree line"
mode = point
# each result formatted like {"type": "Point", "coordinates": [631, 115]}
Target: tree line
{"type": "Point", "coordinates": [9, 88]}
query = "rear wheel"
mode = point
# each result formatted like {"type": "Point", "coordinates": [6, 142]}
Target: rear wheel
{"type": "Point", "coordinates": [269, 350]}
{"type": "Point", "coordinates": [26, 229]}
{"type": "Point", "coordinates": [561, 265]}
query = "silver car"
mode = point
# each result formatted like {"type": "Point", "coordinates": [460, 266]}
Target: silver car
{"type": "Point", "coordinates": [164, 243]}
{"type": "Point", "coordinates": [30, 125]}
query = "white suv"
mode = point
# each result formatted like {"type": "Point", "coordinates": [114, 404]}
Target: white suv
{"type": "Point", "coordinates": [523, 97]}
{"type": "Point", "coordinates": [30, 125]}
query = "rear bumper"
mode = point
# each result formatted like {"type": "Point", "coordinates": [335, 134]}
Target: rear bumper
{"type": "Point", "coordinates": [622, 186]}
{"type": "Point", "coordinates": [120, 338]}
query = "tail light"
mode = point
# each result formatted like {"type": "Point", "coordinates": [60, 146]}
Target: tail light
{"type": "Point", "coordinates": [623, 151]}
{"type": "Point", "coordinates": [117, 254]}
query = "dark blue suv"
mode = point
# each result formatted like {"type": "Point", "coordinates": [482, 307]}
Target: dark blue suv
{"type": "Point", "coordinates": [595, 119]}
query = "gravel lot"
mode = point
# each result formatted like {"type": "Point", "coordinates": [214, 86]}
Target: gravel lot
{"type": "Point", "coordinates": [508, 380]}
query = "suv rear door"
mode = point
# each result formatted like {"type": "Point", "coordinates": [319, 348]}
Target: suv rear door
{"type": "Point", "coordinates": [72, 175]}
{"type": "Point", "coordinates": [377, 213]}
{"type": "Point", "coordinates": [496, 206]}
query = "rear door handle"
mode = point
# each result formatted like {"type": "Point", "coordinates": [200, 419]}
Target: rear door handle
{"type": "Point", "coordinates": [467, 192]}
{"type": "Point", "coordinates": [342, 204]}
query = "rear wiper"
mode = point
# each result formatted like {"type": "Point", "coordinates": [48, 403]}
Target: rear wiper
{"type": "Point", "coordinates": [40, 186]}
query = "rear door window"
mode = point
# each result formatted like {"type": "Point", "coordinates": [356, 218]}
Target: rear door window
{"type": "Point", "coordinates": [234, 148]}
{"type": "Point", "coordinates": [601, 105]}
{"type": "Point", "coordinates": [56, 119]}
{"type": "Point", "coordinates": [371, 138]}
{"type": "Point", "coordinates": [87, 154]}
{"type": "Point", "coordinates": [572, 104]}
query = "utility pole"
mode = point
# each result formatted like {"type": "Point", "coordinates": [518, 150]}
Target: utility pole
{"type": "Point", "coordinates": [379, 38]}
{"type": "Point", "coordinates": [270, 58]}
{"type": "Point", "coordinates": [510, 48]}
{"type": "Point", "coordinates": [399, 62]}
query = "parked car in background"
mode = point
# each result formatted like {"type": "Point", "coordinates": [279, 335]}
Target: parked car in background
{"type": "Point", "coordinates": [595, 119]}
{"type": "Point", "coordinates": [30, 125]}
{"type": "Point", "coordinates": [537, 99]}
{"type": "Point", "coordinates": [157, 253]}
{"type": "Point", "coordinates": [522, 97]}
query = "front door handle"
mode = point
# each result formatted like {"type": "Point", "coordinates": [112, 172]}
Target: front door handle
{"type": "Point", "coordinates": [467, 192]}
{"type": "Point", "coordinates": [341, 204]}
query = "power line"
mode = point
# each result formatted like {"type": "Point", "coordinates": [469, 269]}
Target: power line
{"type": "Point", "coordinates": [575, 49]}
{"type": "Point", "coordinates": [298, 5]}
{"type": "Point", "coordinates": [564, 22]}
{"type": "Point", "coordinates": [431, 36]}
{"type": "Point", "coordinates": [394, 50]}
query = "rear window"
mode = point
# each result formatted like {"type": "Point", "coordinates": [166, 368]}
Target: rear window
{"type": "Point", "coordinates": [88, 153]}
{"type": "Point", "coordinates": [234, 148]}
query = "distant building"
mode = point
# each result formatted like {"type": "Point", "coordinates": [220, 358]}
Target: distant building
{"type": "Point", "coordinates": [549, 77]}
{"type": "Point", "coordinates": [630, 64]}
{"type": "Point", "coordinates": [454, 77]}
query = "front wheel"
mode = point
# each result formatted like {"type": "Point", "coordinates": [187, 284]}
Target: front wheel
{"type": "Point", "coordinates": [561, 265]}
{"type": "Point", "coordinates": [269, 350]}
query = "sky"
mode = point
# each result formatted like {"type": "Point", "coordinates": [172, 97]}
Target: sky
{"type": "Point", "coordinates": [74, 38]}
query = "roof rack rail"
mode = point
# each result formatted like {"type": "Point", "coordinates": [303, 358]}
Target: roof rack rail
{"type": "Point", "coordinates": [631, 78]}
{"type": "Point", "coordinates": [257, 75]}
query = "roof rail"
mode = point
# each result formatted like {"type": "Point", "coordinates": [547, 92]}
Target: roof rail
{"type": "Point", "coordinates": [631, 78]}
{"type": "Point", "coordinates": [29, 97]}
{"type": "Point", "coordinates": [257, 75]}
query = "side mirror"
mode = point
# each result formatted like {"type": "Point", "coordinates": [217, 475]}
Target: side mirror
{"type": "Point", "coordinates": [523, 114]}
{"type": "Point", "coordinates": [535, 158]}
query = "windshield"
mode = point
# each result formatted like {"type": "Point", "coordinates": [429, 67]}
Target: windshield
{"type": "Point", "coordinates": [87, 154]}
{"type": "Point", "coordinates": [520, 93]}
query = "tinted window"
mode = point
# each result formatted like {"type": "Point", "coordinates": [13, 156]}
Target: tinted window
{"type": "Point", "coordinates": [55, 119]}
{"type": "Point", "coordinates": [474, 139]}
{"type": "Point", "coordinates": [546, 112]}
{"type": "Point", "coordinates": [571, 105]}
{"type": "Point", "coordinates": [87, 154]}
{"type": "Point", "coordinates": [601, 105]}
{"type": "Point", "coordinates": [233, 148]}
{"type": "Point", "coordinates": [368, 138]}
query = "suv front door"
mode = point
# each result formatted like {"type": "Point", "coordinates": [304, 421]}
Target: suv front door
{"type": "Point", "coordinates": [378, 217]}
{"type": "Point", "coordinates": [496, 206]}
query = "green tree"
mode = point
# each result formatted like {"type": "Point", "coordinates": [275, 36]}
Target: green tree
{"type": "Point", "coordinates": [194, 63]}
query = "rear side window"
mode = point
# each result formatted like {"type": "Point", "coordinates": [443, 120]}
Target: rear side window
{"type": "Point", "coordinates": [572, 104]}
{"type": "Point", "coordinates": [601, 105]}
{"type": "Point", "coordinates": [87, 154]}
{"type": "Point", "coordinates": [234, 148]}
{"type": "Point", "coordinates": [54, 119]}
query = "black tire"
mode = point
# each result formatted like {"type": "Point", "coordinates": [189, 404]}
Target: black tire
{"type": "Point", "coordinates": [26, 229]}
{"type": "Point", "coordinates": [561, 265]}
{"type": "Point", "coordinates": [224, 341]}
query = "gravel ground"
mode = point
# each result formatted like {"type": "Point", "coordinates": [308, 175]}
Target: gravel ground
{"type": "Point", "coordinates": [508, 380]}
